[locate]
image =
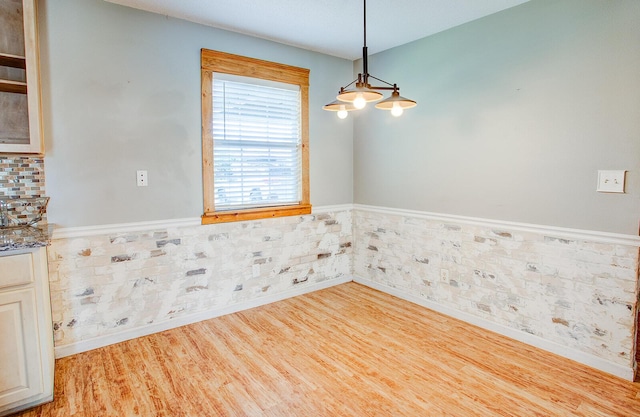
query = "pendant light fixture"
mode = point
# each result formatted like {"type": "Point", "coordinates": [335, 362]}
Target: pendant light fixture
{"type": "Point", "coordinates": [357, 97]}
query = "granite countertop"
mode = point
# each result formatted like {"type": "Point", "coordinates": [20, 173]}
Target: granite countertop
{"type": "Point", "coordinates": [24, 237]}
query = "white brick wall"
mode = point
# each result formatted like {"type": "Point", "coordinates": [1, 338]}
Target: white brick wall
{"type": "Point", "coordinates": [105, 284]}
{"type": "Point", "coordinates": [579, 294]}
{"type": "Point", "coordinates": [576, 292]}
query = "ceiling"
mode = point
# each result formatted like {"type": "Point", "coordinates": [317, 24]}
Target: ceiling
{"type": "Point", "coordinates": [333, 27]}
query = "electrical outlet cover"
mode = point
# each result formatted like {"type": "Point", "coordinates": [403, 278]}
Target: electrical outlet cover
{"type": "Point", "coordinates": [611, 181]}
{"type": "Point", "coordinates": [141, 178]}
{"type": "Point", "coordinates": [444, 275]}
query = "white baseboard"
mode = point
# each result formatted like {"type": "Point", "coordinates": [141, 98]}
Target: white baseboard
{"type": "Point", "coordinates": [331, 209]}
{"type": "Point", "coordinates": [536, 341]}
{"type": "Point", "coordinates": [576, 234]}
{"type": "Point", "coordinates": [134, 227]}
{"type": "Point", "coordinates": [101, 341]}
{"type": "Point", "coordinates": [545, 230]}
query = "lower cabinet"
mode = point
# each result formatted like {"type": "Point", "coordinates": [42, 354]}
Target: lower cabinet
{"type": "Point", "coordinates": [26, 335]}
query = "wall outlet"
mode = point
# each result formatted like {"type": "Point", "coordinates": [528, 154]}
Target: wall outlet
{"type": "Point", "coordinates": [444, 275]}
{"type": "Point", "coordinates": [142, 179]}
{"type": "Point", "coordinates": [611, 181]}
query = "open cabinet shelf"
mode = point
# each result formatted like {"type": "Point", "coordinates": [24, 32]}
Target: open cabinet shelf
{"type": "Point", "coordinates": [9, 86]}
{"type": "Point", "coordinates": [14, 61]}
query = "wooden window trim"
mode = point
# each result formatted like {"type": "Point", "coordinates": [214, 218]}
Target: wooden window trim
{"type": "Point", "coordinates": [221, 62]}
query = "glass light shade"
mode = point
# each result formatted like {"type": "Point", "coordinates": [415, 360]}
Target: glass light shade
{"type": "Point", "coordinates": [366, 93]}
{"type": "Point", "coordinates": [341, 107]}
{"type": "Point", "coordinates": [396, 100]}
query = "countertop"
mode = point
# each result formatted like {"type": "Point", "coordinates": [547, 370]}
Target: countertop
{"type": "Point", "coordinates": [24, 237]}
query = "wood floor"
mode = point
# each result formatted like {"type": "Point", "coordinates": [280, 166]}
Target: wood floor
{"type": "Point", "coordinates": [345, 351]}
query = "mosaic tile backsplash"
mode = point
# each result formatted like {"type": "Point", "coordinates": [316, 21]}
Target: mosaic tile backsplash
{"type": "Point", "coordinates": [21, 176]}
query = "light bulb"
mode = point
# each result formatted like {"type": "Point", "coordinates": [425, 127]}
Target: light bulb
{"type": "Point", "coordinates": [359, 101]}
{"type": "Point", "coordinates": [396, 110]}
{"type": "Point", "coordinates": [342, 113]}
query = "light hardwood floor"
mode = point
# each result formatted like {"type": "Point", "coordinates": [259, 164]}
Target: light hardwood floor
{"type": "Point", "coordinates": [344, 351]}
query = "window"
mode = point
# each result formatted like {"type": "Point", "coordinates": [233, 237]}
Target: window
{"type": "Point", "coordinates": [254, 138]}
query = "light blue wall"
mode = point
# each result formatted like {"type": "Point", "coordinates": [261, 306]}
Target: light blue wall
{"type": "Point", "coordinates": [517, 112]}
{"type": "Point", "coordinates": [121, 92]}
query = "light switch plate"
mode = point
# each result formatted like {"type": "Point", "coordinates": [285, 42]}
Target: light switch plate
{"type": "Point", "coordinates": [611, 181]}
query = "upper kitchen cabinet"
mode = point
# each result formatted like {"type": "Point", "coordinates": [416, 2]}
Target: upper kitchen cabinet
{"type": "Point", "coordinates": [20, 108]}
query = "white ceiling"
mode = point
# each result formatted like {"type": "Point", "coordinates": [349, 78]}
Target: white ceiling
{"type": "Point", "coordinates": [332, 27]}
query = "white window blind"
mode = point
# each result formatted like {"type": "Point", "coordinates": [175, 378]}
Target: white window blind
{"type": "Point", "coordinates": [256, 143]}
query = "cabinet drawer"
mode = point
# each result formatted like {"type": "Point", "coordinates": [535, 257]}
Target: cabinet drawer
{"type": "Point", "coordinates": [16, 270]}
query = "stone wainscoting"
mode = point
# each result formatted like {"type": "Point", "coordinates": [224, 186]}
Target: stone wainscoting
{"type": "Point", "coordinates": [107, 287]}
{"type": "Point", "coordinates": [571, 292]}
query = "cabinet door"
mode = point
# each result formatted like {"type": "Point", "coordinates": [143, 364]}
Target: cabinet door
{"type": "Point", "coordinates": [20, 368]}
{"type": "Point", "coordinates": [20, 106]}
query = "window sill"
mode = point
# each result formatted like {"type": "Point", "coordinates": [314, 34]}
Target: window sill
{"type": "Point", "coordinates": [255, 214]}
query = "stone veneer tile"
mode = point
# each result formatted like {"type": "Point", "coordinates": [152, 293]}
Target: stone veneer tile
{"type": "Point", "coordinates": [105, 284]}
{"type": "Point", "coordinates": [575, 293]}
{"type": "Point", "coordinates": [579, 294]}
